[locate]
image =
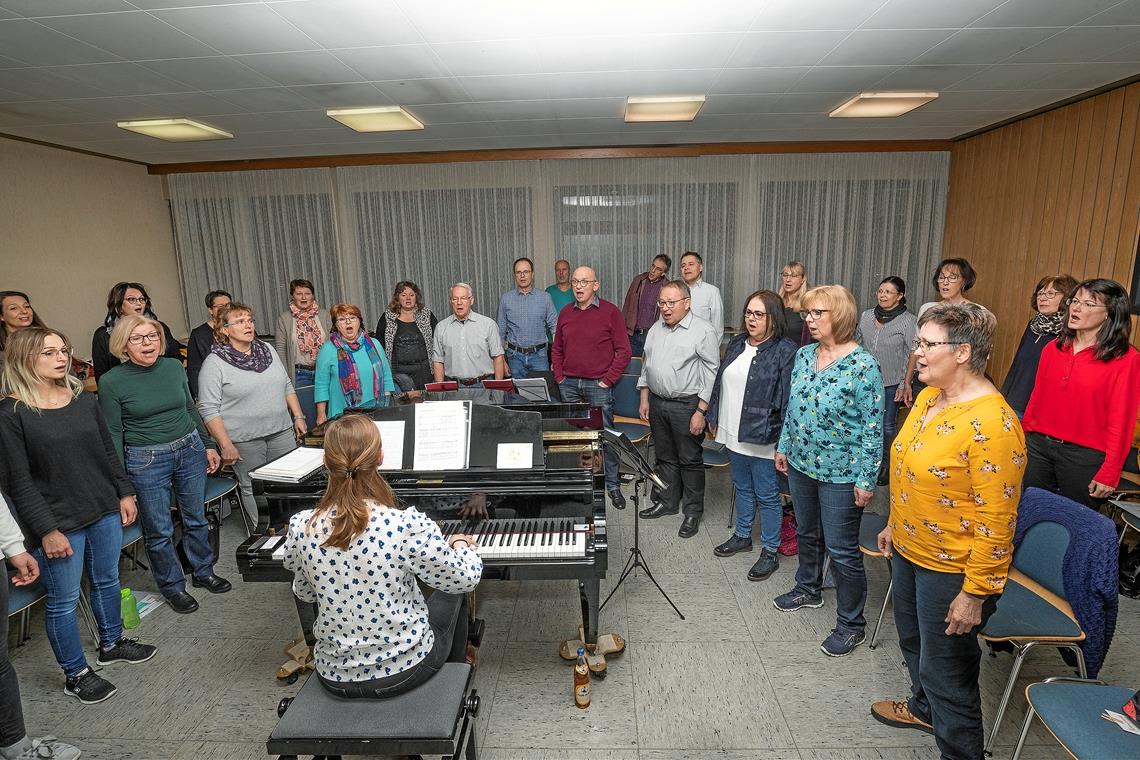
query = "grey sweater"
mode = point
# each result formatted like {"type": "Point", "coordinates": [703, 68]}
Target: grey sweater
{"type": "Point", "coordinates": [251, 404]}
{"type": "Point", "coordinates": [11, 537]}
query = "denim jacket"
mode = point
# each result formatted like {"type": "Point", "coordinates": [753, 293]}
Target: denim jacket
{"type": "Point", "coordinates": [766, 395]}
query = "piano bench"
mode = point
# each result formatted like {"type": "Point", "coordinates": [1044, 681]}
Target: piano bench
{"type": "Point", "coordinates": [435, 718]}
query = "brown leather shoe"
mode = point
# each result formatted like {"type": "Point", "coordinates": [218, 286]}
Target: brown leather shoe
{"type": "Point", "coordinates": [898, 714]}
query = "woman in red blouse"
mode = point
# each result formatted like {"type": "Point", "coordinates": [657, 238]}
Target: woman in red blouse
{"type": "Point", "coordinates": [1082, 411]}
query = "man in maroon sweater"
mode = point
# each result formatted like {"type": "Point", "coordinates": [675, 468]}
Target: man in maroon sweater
{"type": "Point", "coordinates": [590, 351]}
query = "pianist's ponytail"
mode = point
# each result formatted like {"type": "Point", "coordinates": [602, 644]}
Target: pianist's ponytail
{"type": "Point", "coordinates": [352, 455]}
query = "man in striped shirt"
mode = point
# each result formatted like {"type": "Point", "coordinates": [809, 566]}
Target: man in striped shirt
{"type": "Point", "coordinates": [525, 316]}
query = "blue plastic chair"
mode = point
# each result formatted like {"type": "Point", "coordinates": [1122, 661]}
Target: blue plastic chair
{"type": "Point", "coordinates": [627, 406]}
{"type": "Point", "coordinates": [870, 526]}
{"type": "Point", "coordinates": [1032, 609]}
{"type": "Point", "coordinates": [634, 366]}
{"type": "Point", "coordinates": [1070, 708]}
{"type": "Point", "coordinates": [20, 601]}
{"type": "Point", "coordinates": [308, 405]}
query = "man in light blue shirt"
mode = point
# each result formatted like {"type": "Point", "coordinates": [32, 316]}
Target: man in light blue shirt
{"type": "Point", "coordinates": [525, 315]}
{"type": "Point", "coordinates": [706, 300]}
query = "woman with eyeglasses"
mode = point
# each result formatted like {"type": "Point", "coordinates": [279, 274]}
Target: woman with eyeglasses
{"type": "Point", "coordinates": [163, 444]}
{"type": "Point", "coordinates": [793, 285]}
{"type": "Point", "coordinates": [830, 447]}
{"type": "Point", "coordinates": [301, 331]}
{"type": "Point", "coordinates": [1081, 414]}
{"type": "Point", "coordinates": [952, 278]}
{"type": "Point", "coordinates": [247, 401]}
{"type": "Point", "coordinates": [407, 330]}
{"type": "Point", "coordinates": [126, 298]}
{"type": "Point", "coordinates": [887, 331]}
{"type": "Point", "coordinates": [955, 487]}
{"type": "Point", "coordinates": [1049, 301]}
{"type": "Point", "coordinates": [746, 411]}
{"type": "Point", "coordinates": [72, 498]}
{"type": "Point", "coordinates": [16, 313]}
{"type": "Point", "coordinates": [352, 368]}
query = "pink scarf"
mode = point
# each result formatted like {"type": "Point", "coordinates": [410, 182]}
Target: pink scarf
{"type": "Point", "coordinates": [308, 329]}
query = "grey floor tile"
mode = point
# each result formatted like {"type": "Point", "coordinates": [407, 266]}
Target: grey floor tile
{"type": "Point", "coordinates": [245, 707]}
{"type": "Point", "coordinates": [809, 685]}
{"type": "Point", "coordinates": [124, 749]}
{"type": "Point", "coordinates": [231, 750]}
{"type": "Point", "coordinates": [664, 550]}
{"type": "Point", "coordinates": [706, 600]}
{"type": "Point", "coordinates": [713, 696]}
{"type": "Point", "coordinates": [552, 611]}
{"type": "Point", "coordinates": [719, 754]}
{"type": "Point", "coordinates": [517, 753]}
{"type": "Point", "coordinates": [534, 706]}
{"type": "Point", "coordinates": [249, 611]}
{"type": "Point", "coordinates": [924, 752]}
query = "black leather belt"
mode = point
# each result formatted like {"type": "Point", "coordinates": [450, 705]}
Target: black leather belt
{"type": "Point", "coordinates": [470, 380]}
{"type": "Point", "coordinates": [640, 331]}
{"type": "Point", "coordinates": [526, 349]}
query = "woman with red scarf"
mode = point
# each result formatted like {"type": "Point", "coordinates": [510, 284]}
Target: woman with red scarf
{"type": "Point", "coordinates": [352, 368]}
{"type": "Point", "coordinates": [300, 332]}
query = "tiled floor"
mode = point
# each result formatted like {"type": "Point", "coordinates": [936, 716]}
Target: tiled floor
{"type": "Point", "coordinates": [735, 680]}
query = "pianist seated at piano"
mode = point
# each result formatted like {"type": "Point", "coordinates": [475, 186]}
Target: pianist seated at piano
{"type": "Point", "coordinates": [352, 367]}
{"type": "Point", "coordinates": [356, 557]}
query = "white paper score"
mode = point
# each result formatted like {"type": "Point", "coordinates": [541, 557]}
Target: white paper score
{"type": "Point", "coordinates": [514, 456]}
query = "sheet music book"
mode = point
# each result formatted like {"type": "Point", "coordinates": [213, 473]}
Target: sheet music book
{"type": "Point", "coordinates": [392, 440]}
{"type": "Point", "coordinates": [442, 435]}
{"type": "Point", "coordinates": [294, 467]}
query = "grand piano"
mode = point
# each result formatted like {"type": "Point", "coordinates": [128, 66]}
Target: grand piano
{"type": "Point", "coordinates": [542, 522]}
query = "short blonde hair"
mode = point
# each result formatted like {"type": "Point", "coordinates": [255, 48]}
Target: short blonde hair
{"type": "Point", "coordinates": [840, 303]}
{"type": "Point", "coordinates": [125, 326]}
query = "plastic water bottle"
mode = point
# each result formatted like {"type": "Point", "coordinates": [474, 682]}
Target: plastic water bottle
{"type": "Point", "coordinates": [130, 608]}
{"type": "Point", "coordinates": [582, 680]}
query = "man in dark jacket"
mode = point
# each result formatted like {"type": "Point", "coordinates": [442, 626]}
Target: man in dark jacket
{"type": "Point", "coordinates": [640, 307]}
{"type": "Point", "coordinates": [202, 337]}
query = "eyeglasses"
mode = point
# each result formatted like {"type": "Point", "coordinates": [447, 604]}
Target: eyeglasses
{"type": "Point", "coordinates": [754, 314]}
{"type": "Point", "coordinates": [926, 345]}
{"type": "Point", "coordinates": [460, 299]}
{"type": "Point", "coordinates": [241, 323]}
{"type": "Point", "coordinates": [662, 304]}
{"type": "Point", "coordinates": [816, 313]}
{"type": "Point", "coordinates": [52, 353]}
{"type": "Point", "coordinates": [786, 275]}
{"type": "Point", "coordinates": [1085, 304]}
{"type": "Point", "coordinates": [949, 277]}
{"type": "Point", "coordinates": [1048, 293]}
{"type": "Point", "coordinates": [135, 300]}
{"type": "Point", "coordinates": [136, 340]}
{"type": "Point", "coordinates": [885, 292]}
{"type": "Point", "coordinates": [576, 283]}
{"type": "Point", "coordinates": [521, 272]}
{"type": "Point", "coordinates": [347, 320]}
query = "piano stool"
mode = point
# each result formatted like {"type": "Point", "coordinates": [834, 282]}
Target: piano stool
{"type": "Point", "coordinates": [435, 718]}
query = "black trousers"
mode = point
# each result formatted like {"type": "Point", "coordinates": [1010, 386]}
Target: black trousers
{"type": "Point", "coordinates": [680, 459]}
{"type": "Point", "coordinates": [11, 712]}
{"type": "Point", "coordinates": [447, 616]}
{"type": "Point", "coordinates": [1062, 467]}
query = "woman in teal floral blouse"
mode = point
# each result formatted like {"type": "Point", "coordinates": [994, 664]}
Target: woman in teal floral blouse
{"type": "Point", "coordinates": [830, 448]}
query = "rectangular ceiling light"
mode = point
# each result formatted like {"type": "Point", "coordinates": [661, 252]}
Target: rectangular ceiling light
{"type": "Point", "coordinates": [684, 108]}
{"type": "Point", "coordinates": [882, 104]}
{"type": "Point", "coordinates": [175, 130]}
{"type": "Point", "coordinates": [378, 119]}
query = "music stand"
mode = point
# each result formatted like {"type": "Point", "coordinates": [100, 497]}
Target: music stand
{"type": "Point", "coordinates": [620, 443]}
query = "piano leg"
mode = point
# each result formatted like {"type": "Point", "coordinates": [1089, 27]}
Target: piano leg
{"type": "Point", "coordinates": [589, 591]}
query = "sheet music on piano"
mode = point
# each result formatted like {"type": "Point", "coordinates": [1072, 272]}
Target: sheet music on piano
{"type": "Point", "coordinates": [392, 441]}
{"type": "Point", "coordinates": [294, 467]}
{"type": "Point", "coordinates": [442, 435]}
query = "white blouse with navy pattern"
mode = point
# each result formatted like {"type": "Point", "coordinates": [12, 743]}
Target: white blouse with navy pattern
{"type": "Point", "coordinates": [372, 621]}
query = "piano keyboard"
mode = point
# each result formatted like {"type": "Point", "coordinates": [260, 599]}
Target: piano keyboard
{"type": "Point", "coordinates": [547, 538]}
{"type": "Point", "coordinates": [543, 538]}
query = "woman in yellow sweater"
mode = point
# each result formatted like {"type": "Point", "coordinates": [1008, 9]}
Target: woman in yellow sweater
{"type": "Point", "coordinates": [956, 469]}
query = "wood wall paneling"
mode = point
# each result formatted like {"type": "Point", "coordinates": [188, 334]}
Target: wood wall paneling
{"type": "Point", "coordinates": [1058, 192]}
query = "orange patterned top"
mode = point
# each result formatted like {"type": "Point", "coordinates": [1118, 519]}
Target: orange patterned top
{"type": "Point", "coordinates": [955, 485]}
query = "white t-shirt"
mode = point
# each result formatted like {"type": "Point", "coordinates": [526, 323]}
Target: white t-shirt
{"type": "Point", "coordinates": [732, 385]}
{"type": "Point", "coordinates": [372, 620]}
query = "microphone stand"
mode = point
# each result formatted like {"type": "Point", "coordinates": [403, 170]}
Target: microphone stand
{"type": "Point", "coordinates": [621, 443]}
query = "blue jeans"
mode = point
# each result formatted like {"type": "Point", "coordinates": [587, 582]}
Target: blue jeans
{"type": "Point", "coordinates": [943, 669]}
{"type": "Point", "coordinates": [304, 376]}
{"type": "Point", "coordinates": [890, 415]}
{"type": "Point", "coordinates": [828, 520]}
{"type": "Point", "coordinates": [754, 479]}
{"type": "Point", "coordinates": [94, 549]}
{"type": "Point", "coordinates": [584, 389]}
{"type": "Point", "coordinates": [177, 468]}
{"type": "Point", "coordinates": [637, 343]}
{"type": "Point", "coordinates": [522, 364]}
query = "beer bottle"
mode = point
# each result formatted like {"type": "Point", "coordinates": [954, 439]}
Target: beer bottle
{"type": "Point", "coordinates": [582, 680]}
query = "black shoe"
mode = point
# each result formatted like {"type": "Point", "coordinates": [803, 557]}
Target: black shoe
{"type": "Point", "coordinates": [89, 688]}
{"type": "Point", "coordinates": [126, 650]}
{"type": "Point", "coordinates": [658, 510]}
{"type": "Point", "coordinates": [617, 499]}
{"type": "Point", "coordinates": [215, 584]}
{"type": "Point", "coordinates": [733, 545]}
{"type": "Point", "coordinates": [182, 603]}
{"type": "Point", "coordinates": [689, 526]}
{"type": "Point", "coordinates": [764, 566]}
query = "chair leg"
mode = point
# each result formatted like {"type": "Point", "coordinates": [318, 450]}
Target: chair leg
{"type": "Point", "coordinates": [1021, 652]}
{"type": "Point", "coordinates": [1080, 655]}
{"type": "Point", "coordinates": [1024, 732]}
{"type": "Point", "coordinates": [732, 509]}
{"type": "Point", "coordinates": [23, 623]}
{"type": "Point", "coordinates": [882, 613]}
{"type": "Point", "coordinates": [88, 616]}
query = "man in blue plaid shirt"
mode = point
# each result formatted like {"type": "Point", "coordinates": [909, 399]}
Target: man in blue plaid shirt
{"type": "Point", "coordinates": [525, 315]}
